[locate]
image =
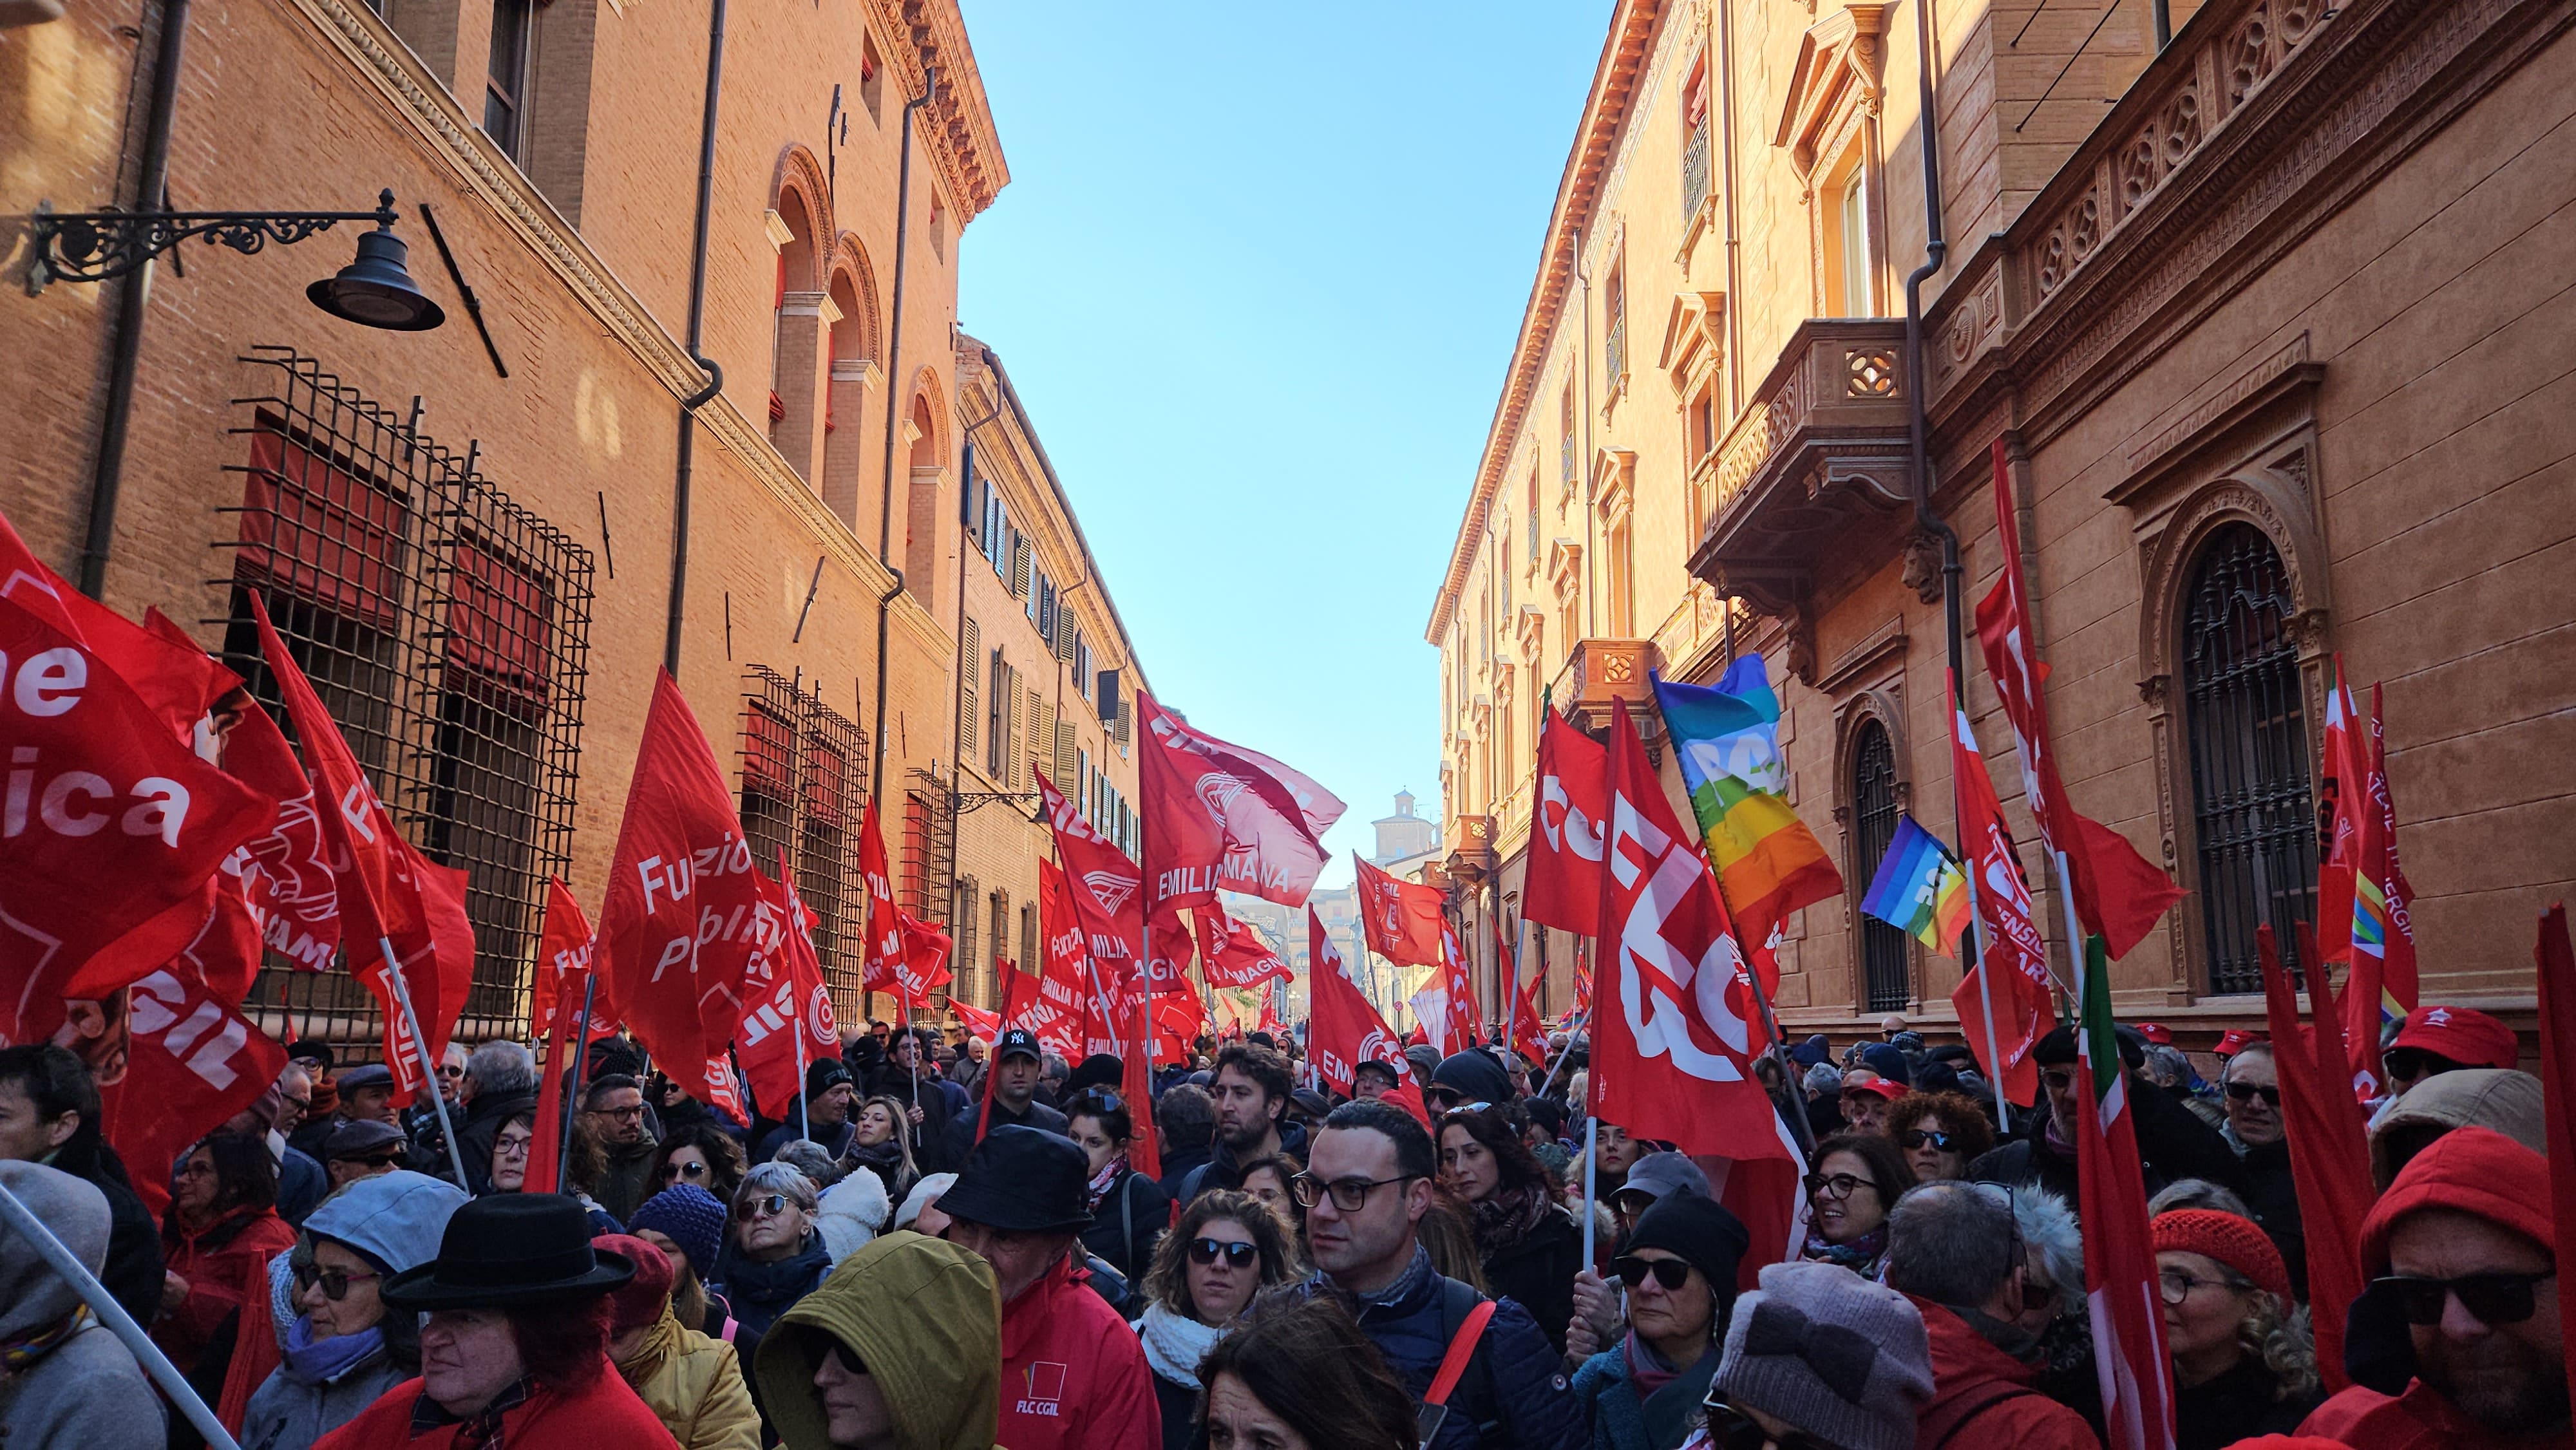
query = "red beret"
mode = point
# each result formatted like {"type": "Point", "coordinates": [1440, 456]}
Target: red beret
{"type": "Point", "coordinates": [639, 1302]}
{"type": "Point", "coordinates": [2476, 1171]}
{"type": "Point", "coordinates": [2239, 1243]}
{"type": "Point", "coordinates": [2464, 1035]}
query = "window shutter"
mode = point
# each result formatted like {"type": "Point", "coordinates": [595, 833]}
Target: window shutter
{"type": "Point", "coordinates": [1038, 732]}
{"type": "Point", "coordinates": [970, 654]}
{"type": "Point", "coordinates": [1042, 741]}
{"type": "Point", "coordinates": [1109, 699]}
{"type": "Point", "coordinates": [1019, 565]}
{"type": "Point", "coordinates": [1064, 780]}
{"type": "Point", "coordinates": [1011, 703]}
{"type": "Point", "coordinates": [1064, 630]}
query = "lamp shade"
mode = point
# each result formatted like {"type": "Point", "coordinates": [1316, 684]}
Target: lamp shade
{"type": "Point", "coordinates": [376, 290]}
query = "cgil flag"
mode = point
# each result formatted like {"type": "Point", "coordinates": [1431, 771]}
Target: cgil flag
{"type": "Point", "coordinates": [1218, 817]}
{"type": "Point", "coordinates": [1726, 739]}
{"type": "Point", "coordinates": [1108, 895]}
{"type": "Point", "coordinates": [1232, 954]}
{"type": "Point", "coordinates": [1404, 922]}
{"type": "Point", "coordinates": [2010, 983]}
{"type": "Point", "coordinates": [1343, 1030]}
{"type": "Point", "coordinates": [1919, 890]}
{"type": "Point", "coordinates": [1562, 886]}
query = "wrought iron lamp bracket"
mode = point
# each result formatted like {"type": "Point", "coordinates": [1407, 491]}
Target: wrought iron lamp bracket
{"type": "Point", "coordinates": [99, 246]}
{"type": "Point", "coordinates": [969, 800]}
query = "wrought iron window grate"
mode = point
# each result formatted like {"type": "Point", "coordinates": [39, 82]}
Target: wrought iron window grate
{"type": "Point", "coordinates": [804, 786]}
{"type": "Point", "coordinates": [2247, 725]}
{"type": "Point", "coordinates": [926, 873]}
{"type": "Point", "coordinates": [447, 629]}
{"type": "Point", "coordinates": [1883, 951]}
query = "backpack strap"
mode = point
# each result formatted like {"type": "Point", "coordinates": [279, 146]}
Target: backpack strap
{"type": "Point", "coordinates": [1936, 1427]}
{"type": "Point", "coordinates": [1462, 1346]}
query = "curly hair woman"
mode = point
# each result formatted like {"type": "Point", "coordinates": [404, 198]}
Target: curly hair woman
{"type": "Point", "coordinates": [1940, 1133]}
{"type": "Point", "coordinates": [2242, 1359]}
{"type": "Point", "coordinates": [1226, 1248]}
{"type": "Point", "coordinates": [1529, 1247]}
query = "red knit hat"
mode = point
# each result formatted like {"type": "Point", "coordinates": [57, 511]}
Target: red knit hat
{"type": "Point", "coordinates": [2236, 1242]}
{"type": "Point", "coordinates": [2475, 1171]}
{"type": "Point", "coordinates": [639, 1301]}
{"type": "Point", "coordinates": [2464, 1035]}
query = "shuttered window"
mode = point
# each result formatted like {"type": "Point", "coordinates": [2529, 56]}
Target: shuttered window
{"type": "Point", "coordinates": [970, 655]}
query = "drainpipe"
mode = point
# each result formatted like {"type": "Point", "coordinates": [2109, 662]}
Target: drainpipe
{"type": "Point", "coordinates": [894, 394]}
{"type": "Point", "coordinates": [134, 291]}
{"type": "Point", "coordinates": [689, 406]}
{"type": "Point", "coordinates": [1734, 278]}
{"type": "Point", "coordinates": [1917, 440]}
{"type": "Point", "coordinates": [1583, 365]}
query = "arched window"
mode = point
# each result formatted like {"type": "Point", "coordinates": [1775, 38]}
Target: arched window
{"type": "Point", "coordinates": [921, 514]}
{"type": "Point", "coordinates": [850, 344]}
{"type": "Point", "coordinates": [796, 342]}
{"type": "Point", "coordinates": [1873, 797]}
{"type": "Point", "coordinates": [2253, 819]}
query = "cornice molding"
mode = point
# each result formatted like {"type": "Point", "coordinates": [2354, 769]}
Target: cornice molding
{"type": "Point", "coordinates": [957, 126]}
{"type": "Point", "coordinates": [1615, 79]}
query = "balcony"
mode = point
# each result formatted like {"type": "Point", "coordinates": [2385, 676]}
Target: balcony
{"type": "Point", "coordinates": [1474, 856]}
{"type": "Point", "coordinates": [1599, 673]}
{"type": "Point", "coordinates": [1815, 472]}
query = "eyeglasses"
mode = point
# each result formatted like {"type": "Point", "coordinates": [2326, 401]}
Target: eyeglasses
{"type": "Point", "coordinates": [2489, 1298]}
{"type": "Point", "coordinates": [2177, 1285]}
{"type": "Point", "coordinates": [376, 1160]}
{"type": "Point", "coordinates": [335, 1284]}
{"type": "Point", "coordinates": [758, 1208]}
{"type": "Point", "coordinates": [2246, 1092]}
{"type": "Point", "coordinates": [515, 1147]}
{"type": "Point", "coordinates": [1204, 1252]}
{"type": "Point", "coordinates": [620, 1114]}
{"type": "Point", "coordinates": [1917, 1137]}
{"type": "Point", "coordinates": [1731, 1429]}
{"type": "Point", "coordinates": [849, 1361]}
{"type": "Point", "coordinates": [1838, 1187]}
{"type": "Point", "coordinates": [1349, 1195]}
{"type": "Point", "coordinates": [1632, 1271]}
{"type": "Point", "coordinates": [673, 1172]}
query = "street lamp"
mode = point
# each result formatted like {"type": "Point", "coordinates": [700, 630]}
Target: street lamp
{"type": "Point", "coordinates": [375, 290]}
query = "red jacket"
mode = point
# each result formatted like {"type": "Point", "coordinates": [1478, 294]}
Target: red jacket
{"type": "Point", "coordinates": [605, 1414]}
{"type": "Point", "coordinates": [1073, 1375]}
{"type": "Point", "coordinates": [1967, 1369]}
{"type": "Point", "coordinates": [221, 1264]}
{"type": "Point", "coordinates": [2423, 1418]}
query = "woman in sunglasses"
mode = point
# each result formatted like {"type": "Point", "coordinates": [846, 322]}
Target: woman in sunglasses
{"type": "Point", "coordinates": [701, 1154]}
{"type": "Point", "coordinates": [2243, 1363]}
{"type": "Point", "coordinates": [1225, 1249]}
{"type": "Point", "coordinates": [1858, 1178]}
{"type": "Point", "coordinates": [1940, 1134]}
{"type": "Point", "coordinates": [775, 1255]}
{"type": "Point", "coordinates": [2252, 1083]}
{"type": "Point", "coordinates": [342, 1351]}
{"type": "Point", "coordinates": [879, 1144]}
{"type": "Point", "coordinates": [1528, 1247]}
{"type": "Point", "coordinates": [1679, 1269]}
{"type": "Point", "coordinates": [1128, 1209]}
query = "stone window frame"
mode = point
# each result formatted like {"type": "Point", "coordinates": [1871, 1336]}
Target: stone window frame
{"type": "Point", "coordinates": [1868, 685]}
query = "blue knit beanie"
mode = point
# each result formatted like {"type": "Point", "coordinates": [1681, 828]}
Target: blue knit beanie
{"type": "Point", "coordinates": [687, 1215]}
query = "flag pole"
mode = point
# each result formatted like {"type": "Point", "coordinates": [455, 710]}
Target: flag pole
{"type": "Point", "coordinates": [575, 1096]}
{"type": "Point", "coordinates": [429, 1070]}
{"type": "Point", "coordinates": [1572, 1027]}
{"type": "Point", "coordinates": [804, 1113]}
{"type": "Point", "coordinates": [1591, 1159]}
{"type": "Point", "coordinates": [24, 1222]}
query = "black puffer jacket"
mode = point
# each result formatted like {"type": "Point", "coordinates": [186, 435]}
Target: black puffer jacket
{"type": "Point", "coordinates": [1537, 1272]}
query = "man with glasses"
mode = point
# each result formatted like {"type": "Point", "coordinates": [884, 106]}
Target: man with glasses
{"type": "Point", "coordinates": [2172, 1140]}
{"type": "Point", "coordinates": [1365, 1189]}
{"type": "Point", "coordinates": [1016, 1065]}
{"type": "Point", "coordinates": [614, 1106]}
{"type": "Point", "coordinates": [1956, 1250]}
{"type": "Point", "coordinates": [2462, 1256]}
{"type": "Point", "coordinates": [363, 1149]}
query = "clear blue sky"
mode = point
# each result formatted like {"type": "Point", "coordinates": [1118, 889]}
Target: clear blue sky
{"type": "Point", "coordinates": [1256, 276]}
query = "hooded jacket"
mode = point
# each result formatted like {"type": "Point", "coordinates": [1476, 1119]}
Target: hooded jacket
{"type": "Point", "coordinates": [694, 1385]}
{"type": "Point", "coordinates": [2486, 1097]}
{"type": "Point", "coordinates": [1966, 1369]}
{"type": "Point", "coordinates": [936, 1363]}
{"type": "Point", "coordinates": [2471, 1170]}
{"type": "Point", "coordinates": [86, 1390]}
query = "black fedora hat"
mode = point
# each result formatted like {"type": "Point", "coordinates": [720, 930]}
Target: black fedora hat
{"type": "Point", "coordinates": [1025, 1179]}
{"type": "Point", "coordinates": [511, 1249]}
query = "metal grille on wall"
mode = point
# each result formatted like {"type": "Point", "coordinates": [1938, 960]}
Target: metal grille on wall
{"type": "Point", "coordinates": [926, 876]}
{"type": "Point", "coordinates": [2254, 818]}
{"type": "Point", "coordinates": [804, 786]}
{"type": "Point", "coordinates": [1883, 954]}
{"type": "Point", "coordinates": [447, 630]}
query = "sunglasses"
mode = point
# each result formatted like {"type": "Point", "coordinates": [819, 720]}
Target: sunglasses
{"type": "Point", "coordinates": [757, 1208]}
{"type": "Point", "coordinates": [674, 1171]}
{"type": "Point", "coordinates": [1918, 1137]}
{"type": "Point", "coordinates": [380, 1160]}
{"type": "Point", "coordinates": [1204, 1252]}
{"type": "Point", "coordinates": [1731, 1429]}
{"type": "Point", "coordinates": [2246, 1092]}
{"type": "Point", "coordinates": [849, 1361]}
{"type": "Point", "coordinates": [2489, 1298]}
{"type": "Point", "coordinates": [2415, 1062]}
{"type": "Point", "coordinates": [335, 1284]}
{"type": "Point", "coordinates": [1632, 1271]}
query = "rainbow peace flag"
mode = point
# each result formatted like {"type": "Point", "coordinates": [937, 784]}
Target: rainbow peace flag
{"type": "Point", "coordinates": [1727, 741]}
{"type": "Point", "coordinates": [1919, 890]}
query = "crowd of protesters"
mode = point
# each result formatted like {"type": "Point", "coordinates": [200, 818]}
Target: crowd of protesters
{"type": "Point", "coordinates": [949, 1245]}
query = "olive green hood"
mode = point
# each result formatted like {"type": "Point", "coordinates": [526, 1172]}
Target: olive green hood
{"type": "Point", "coordinates": [923, 1316]}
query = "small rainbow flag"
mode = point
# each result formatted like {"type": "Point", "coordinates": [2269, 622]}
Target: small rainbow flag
{"type": "Point", "coordinates": [1918, 889]}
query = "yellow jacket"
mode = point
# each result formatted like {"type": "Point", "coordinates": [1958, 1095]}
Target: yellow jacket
{"type": "Point", "coordinates": [695, 1387]}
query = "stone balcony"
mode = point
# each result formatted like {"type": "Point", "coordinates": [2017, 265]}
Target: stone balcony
{"type": "Point", "coordinates": [1814, 473]}
{"type": "Point", "coordinates": [1600, 672]}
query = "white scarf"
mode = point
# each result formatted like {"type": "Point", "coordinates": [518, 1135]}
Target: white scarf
{"type": "Point", "coordinates": [1175, 1343]}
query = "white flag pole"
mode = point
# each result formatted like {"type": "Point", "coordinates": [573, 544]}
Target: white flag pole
{"type": "Point", "coordinates": [428, 1069]}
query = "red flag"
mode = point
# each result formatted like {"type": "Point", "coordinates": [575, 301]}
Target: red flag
{"type": "Point", "coordinates": [1404, 922]}
{"type": "Point", "coordinates": [396, 905]}
{"type": "Point", "coordinates": [2118, 894]}
{"type": "Point", "coordinates": [881, 968]}
{"type": "Point", "coordinates": [2329, 1147]}
{"type": "Point", "coordinates": [111, 826]}
{"type": "Point", "coordinates": [1219, 817]}
{"type": "Point", "coordinates": [1583, 980]}
{"type": "Point", "coordinates": [1168, 950]}
{"type": "Point", "coordinates": [2010, 954]}
{"type": "Point", "coordinates": [787, 997]}
{"type": "Point", "coordinates": [1343, 1030]}
{"type": "Point", "coordinates": [924, 965]}
{"type": "Point", "coordinates": [2380, 917]}
{"type": "Point", "coordinates": [2120, 1284]}
{"type": "Point", "coordinates": [1672, 1051]}
{"type": "Point", "coordinates": [564, 947]}
{"type": "Point", "coordinates": [1058, 1011]}
{"type": "Point", "coordinates": [1106, 890]}
{"type": "Point", "coordinates": [1528, 1034]}
{"type": "Point", "coordinates": [977, 1021]}
{"type": "Point", "coordinates": [2555, 956]}
{"type": "Point", "coordinates": [1232, 954]}
{"type": "Point", "coordinates": [2344, 815]}
{"type": "Point", "coordinates": [1457, 1030]}
{"type": "Point", "coordinates": [192, 1061]}
{"type": "Point", "coordinates": [684, 905]}
{"type": "Point", "coordinates": [285, 874]}
{"type": "Point", "coordinates": [1563, 886]}
{"type": "Point", "coordinates": [1179, 1018]}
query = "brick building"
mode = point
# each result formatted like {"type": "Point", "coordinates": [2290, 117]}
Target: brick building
{"type": "Point", "coordinates": [476, 552]}
{"type": "Point", "coordinates": [2264, 318]}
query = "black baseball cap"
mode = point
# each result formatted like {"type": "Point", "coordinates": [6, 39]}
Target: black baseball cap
{"type": "Point", "coordinates": [1021, 1041]}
